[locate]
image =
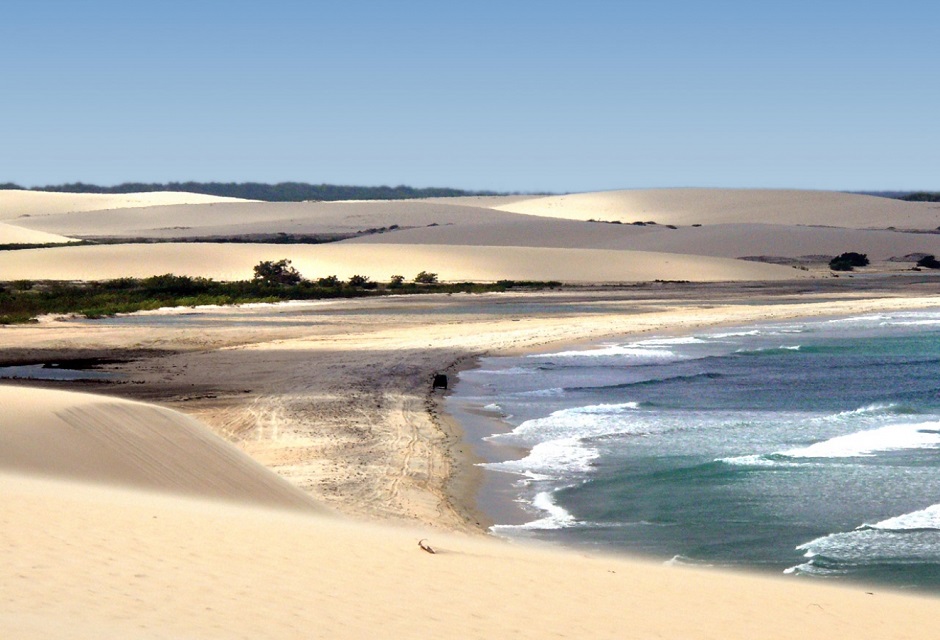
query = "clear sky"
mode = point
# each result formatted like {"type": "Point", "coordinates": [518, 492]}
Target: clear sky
{"type": "Point", "coordinates": [509, 95]}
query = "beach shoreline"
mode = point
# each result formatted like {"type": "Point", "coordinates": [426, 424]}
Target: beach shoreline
{"type": "Point", "coordinates": [343, 407]}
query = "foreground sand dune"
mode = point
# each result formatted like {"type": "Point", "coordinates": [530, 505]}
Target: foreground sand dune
{"type": "Point", "coordinates": [94, 560]}
{"type": "Point", "coordinates": [89, 438]}
{"type": "Point", "coordinates": [89, 561]}
{"type": "Point", "coordinates": [16, 203]}
{"type": "Point", "coordinates": [379, 262]}
{"type": "Point", "coordinates": [725, 206]}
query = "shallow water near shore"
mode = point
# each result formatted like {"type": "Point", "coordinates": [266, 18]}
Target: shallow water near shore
{"type": "Point", "coordinates": [806, 448]}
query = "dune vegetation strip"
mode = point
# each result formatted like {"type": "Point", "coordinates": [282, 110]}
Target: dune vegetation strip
{"type": "Point", "coordinates": [24, 300]}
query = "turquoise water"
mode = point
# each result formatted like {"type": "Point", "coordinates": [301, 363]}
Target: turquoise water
{"type": "Point", "coordinates": [806, 448]}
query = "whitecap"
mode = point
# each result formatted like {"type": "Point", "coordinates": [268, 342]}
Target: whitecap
{"type": "Point", "coordinates": [734, 334]}
{"type": "Point", "coordinates": [581, 422]}
{"type": "Point", "coordinates": [619, 351]}
{"type": "Point", "coordinates": [551, 459]}
{"type": "Point", "coordinates": [758, 461]}
{"type": "Point", "coordinates": [871, 409]}
{"type": "Point", "coordinates": [928, 518]}
{"type": "Point", "coordinates": [542, 393]}
{"type": "Point", "coordinates": [557, 517]}
{"type": "Point", "coordinates": [663, 342]}
{"type": "Point", "coordinates": [895, 437]}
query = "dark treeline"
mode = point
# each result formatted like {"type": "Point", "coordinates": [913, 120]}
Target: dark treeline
{"type": "Point", "coordinates": [910, 196]}
{"type": "Point", "coordinates": [280, 192]}
{"type": "Point", "coordinates": [922, 196]}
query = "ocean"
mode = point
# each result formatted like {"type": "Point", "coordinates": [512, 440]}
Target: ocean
{"type": "Point", "coordinates": [807, 448]}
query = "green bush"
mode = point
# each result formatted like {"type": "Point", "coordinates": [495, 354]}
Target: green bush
{"type": "Point", "coordinates": [276, 273]}
{"type": "Point", "coordinates": [929, 262]}
{"type": "Point", "coordinates": [426, 278]}
{"type": "Point", "coordinates": [848, 261]}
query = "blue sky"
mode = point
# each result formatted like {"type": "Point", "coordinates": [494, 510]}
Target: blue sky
{"type": "Point", "coordinates": [510, 96]}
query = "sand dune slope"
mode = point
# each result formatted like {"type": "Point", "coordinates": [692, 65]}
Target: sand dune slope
{"type": "Point", "coordinates": [15, 203]}
{"type": "Point", "coordinates": [86, 562]}
{"type": "Point", "coordinates": [10, 234]}
{"type": "Point", "coordinates": [90, 438]}
{"type": "Point", "coordinates": [379, 262]}
{"type": "Point", "coordinates": [725, 206]}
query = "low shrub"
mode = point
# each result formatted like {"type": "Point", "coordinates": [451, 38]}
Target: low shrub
{"type": "Point", "coordinates": [848, 261]}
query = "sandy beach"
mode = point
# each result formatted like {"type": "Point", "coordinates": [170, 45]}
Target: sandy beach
{"type": "Point", "coordinates": [268, 470]}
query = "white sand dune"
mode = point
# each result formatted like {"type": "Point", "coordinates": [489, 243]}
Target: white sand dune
{"type": "Point", "coordinates": [90, 438]}
{"type": "Point", "coordinates": [720, 240]}
{"type": "Point", "coordinates": [11, 234]}
{"type": "Point", "coordinates": [725, 206]}
{"type": "Point", "coordinates": [107, 559]}
{"type": "Point", "coordinates": [15, 203]}
{"type": "Point", "coordinates": [379, 262]}
{"type": "Point", "coordinates": [249, 218]}
{"type": "Point", "coordinates": [735, 223]}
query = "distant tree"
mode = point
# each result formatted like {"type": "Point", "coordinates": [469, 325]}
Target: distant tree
{"type": "Point", "coordinates": [929, 262]}
{"type": "Point", "coordinates": [396, 281]}
{"type": "Point", "coordinates": [277, 273]}
{"type": "Point", "coordinates": [848, 261]}
{"type": "Point", "coordinates": [426, 278]}
{"type": "Point", "coordinates": [359, 281]}
{"type": "Point", "coordinates": [329, 281]}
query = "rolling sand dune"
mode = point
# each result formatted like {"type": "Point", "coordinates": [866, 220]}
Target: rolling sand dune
{"type": "Point", "coordinates": [105, 440]}
{"type": "Point", "coordinates": [379, 262]}
{"type": "Point", "coordinates": [110, 560]}
{"type": "Point", "coordinates": [16, 203]}
{"type": "Point", "coordinates": [721, 240]}
{"type": "Point", "coordinates": [725, 206]}
{"type": "Point", "coordinates": [10, 234]}
{"type": "Point", "coordinates": [250, 218]}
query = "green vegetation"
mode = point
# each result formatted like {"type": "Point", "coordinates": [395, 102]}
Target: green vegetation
{"type": "Point", "coordinates": [848, 261]}
{"type": "Point", "coordinates": [280, 192]}
{"type": "Point", "coordinates": [279, 273]}
{"type": "Point", "coordinates": [426, 278]}
{"type": "Point", "coordinates": [23, 300]}
{"type": "Point", "coordinates": [362, 282]}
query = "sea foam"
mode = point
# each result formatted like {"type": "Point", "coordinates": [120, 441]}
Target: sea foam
{"type": "Point", "coordinates": [581, 422]}
{"type": "Point", "coordinates": [550, 459]}
{"type": "Point", "coordinates": [556, 517]}
{"type": "Point", "coordinates": [894, 437]}
{"type": "Point", "coordinates": [928, 518]}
